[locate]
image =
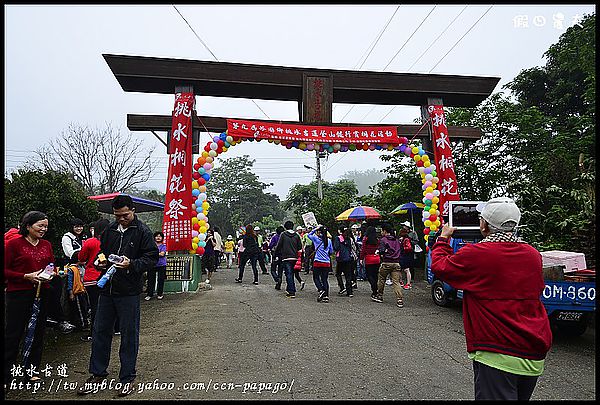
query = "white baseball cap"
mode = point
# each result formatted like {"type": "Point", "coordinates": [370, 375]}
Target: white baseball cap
{"type": "Point", "coordinates": [256, 228]}
{"type": "Point", "coordinates": [501, 213]}
{"type": "Point", "coordinates": [355, 226]}
{"type": "Point", "coordinates": [406, 223]}
{"type": "Point", "coordinates": [299, 228]}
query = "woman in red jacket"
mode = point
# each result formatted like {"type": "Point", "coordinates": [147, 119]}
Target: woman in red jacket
{"type": "Point", "coordinates": [88, 254]}
{"type": "Point", "coordinates": [25, 258]}
{"type": "Point", "coordinates": [370, 258]}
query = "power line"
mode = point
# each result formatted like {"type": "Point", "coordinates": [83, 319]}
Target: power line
{"type": "Point", "coordinates": [453, 46]}
{"type": "Point", "coordinates": [438, 37]}
{"type": "Point", "coordinates": [457, 42]}
{"type": "Point", "coordinates": [211, 52]}
{"type": "Point", "coordinates": [394, 57]}
{"type": "Point", "coordinates": [411, 35]}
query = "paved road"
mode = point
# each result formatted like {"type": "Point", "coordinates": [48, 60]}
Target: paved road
{"type": "Point", "coordinates": [241, 335]}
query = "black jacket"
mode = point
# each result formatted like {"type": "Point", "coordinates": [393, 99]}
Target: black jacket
{"type": "Point", "coordinates": [250, 246]}
{"type": "Point", "coordinates": [137, 243]}
{"type": "Point", "coordinates": [288, 246]}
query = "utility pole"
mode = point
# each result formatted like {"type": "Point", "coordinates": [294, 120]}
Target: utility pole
{"type": "Point", "coordinates": [319, 184]}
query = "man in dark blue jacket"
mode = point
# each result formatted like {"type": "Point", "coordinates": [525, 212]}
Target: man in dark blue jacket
{"type": "Point", "coordinates": [120, 297]}
{"type": "Point", "coordinates": [287, 249]}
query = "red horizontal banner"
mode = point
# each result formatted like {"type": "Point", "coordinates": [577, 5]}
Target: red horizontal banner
{"type": "Point", "coordinates": [312, 133]}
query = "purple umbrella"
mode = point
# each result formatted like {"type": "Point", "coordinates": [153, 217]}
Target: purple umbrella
{"type": "Point", "coordinates": [35, 310]}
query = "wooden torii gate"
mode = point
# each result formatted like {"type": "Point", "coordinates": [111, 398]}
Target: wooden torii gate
{"type": "Point", "coordinates": [315, 90]}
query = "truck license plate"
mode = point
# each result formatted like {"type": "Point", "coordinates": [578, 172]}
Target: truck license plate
{"type": "Point", "coordinates": [569, 316]}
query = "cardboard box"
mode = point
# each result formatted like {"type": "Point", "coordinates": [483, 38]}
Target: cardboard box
{"type": "Point", "coordinates": [572, 261]}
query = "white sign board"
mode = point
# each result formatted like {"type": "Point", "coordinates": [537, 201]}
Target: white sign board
{"type": "Point", "coordinates": [309, 219]}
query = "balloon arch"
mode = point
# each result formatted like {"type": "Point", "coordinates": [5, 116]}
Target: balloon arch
{"type": "Point", "coordinates": [222, 142]}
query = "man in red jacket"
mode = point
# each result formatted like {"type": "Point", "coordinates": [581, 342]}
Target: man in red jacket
{"type": "Point", "coordinates": [506, 325]}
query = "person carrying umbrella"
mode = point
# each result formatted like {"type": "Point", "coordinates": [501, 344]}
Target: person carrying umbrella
{"type": "Point", "coordinates": [27, 295]}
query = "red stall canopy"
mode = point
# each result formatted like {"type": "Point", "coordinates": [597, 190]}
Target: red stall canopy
{"type": "Point", "coordinates": [141, 204]}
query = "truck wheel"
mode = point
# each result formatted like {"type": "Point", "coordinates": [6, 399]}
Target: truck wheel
{"type": "Point", "coordinates": [439, 296]}
{"type": "Point", "coordinates": [572, 329]}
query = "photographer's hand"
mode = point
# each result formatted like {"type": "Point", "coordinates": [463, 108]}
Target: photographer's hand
{"type": "Point", "coordinates": [447, 231]}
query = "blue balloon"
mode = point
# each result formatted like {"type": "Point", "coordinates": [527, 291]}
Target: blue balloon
{"type": "Point", "coordinates": [216, 138]}
{"type": "Point", "coordinates": [198, 203]}
{"type": "Point", "coordinates": [206, 176]}
{"type": "Point", "coordinates": [226, 144]}
{"type": "Point", "coordinates": [295, 144]}
{"type": "Point", "coordinates": [201, 170]}
{"type": "Point", "coordinates": [202, 243]}
{"type": "Point", "coordinates": [195, 192]}
{"type": "Point", "coordinates": [198, 208]}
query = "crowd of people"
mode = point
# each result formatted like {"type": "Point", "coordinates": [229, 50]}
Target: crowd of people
{"type": "Point", "coordinates": [355, 253]}
{"type": "Point", "coordinates": [508, 351]}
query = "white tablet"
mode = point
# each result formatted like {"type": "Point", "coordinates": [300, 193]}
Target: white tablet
{"type": "Point", "coordinates": [463, 215]}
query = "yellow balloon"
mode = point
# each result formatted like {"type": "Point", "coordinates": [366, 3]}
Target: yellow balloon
{"type": "Point", "coordinates": [194, 220]}
{"type": "Point", "coordinates": [432, 210]}
{"type": "Point", "coordinates": [202, 223]}
{"type": "Point", "coordinates": [437, 222]}
{"type": "Point", "coordinates": [194, 246]}
{"type": "Point", "coordinates": [205, 212]}
{"type": "Point", "coordinates": [425, 159]}
{"type": "Point", "coordinates": [435, 200]}
{"type": "Point", "coordinates": [429, 190]}
{"type": "Point", "coordinates": [426, 163]}
{"type": "Point", "coordinates": [434, 206]}
{"type": "Point", "coordinates": [192, 251]}
{"type": "Point", "coordinates": [417, 158]}
{"type": "Point", "coordinates": [205, 205]}
{"type": "Point", "coordinates": [202, 189]}
{"type": "Point", "coordinates": [424, 193]}
{"type": "Point", "coordinates": [433, 227]}
{"type": "Point", "coordinates": [390, 147]}
{"type": "Point", "coordinates": [225, 148]}
{"type": "Point", "coordinates": [204, 154]}
{"type": "Point", "coordinates": [202, 229]}
{"type": "Point", "coordinates": [195, 239]}
{"type": "Point", "coordinates": [210, 159]}
{"type": "Point", "coordinates": [415, 150]}
{"type": "Point", "coordinates": [427, 223]}
{"type": "Point", "coordinates": [195, 184]}
{"type": "Point", "coordinates": [426, 237]}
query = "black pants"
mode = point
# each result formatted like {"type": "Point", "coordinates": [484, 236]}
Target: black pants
{"type": "Point", "coordinates": [93, 291]}
{"type": "Point", "coordinates": [18, 305]}
{"type": "Point", "coordinates": [372, 271]}
{"type": "Point", "coordinates": [243, 260]}
{"type": "Point", "coordinates": [79, 309]}
{"type": "Point", "coordinates": [309, 258]}
{"type": "Point", "coordinates": [261, 262]}
{"type": "Point", "coordinates": [161, 271]}
{"type": "Point", "coordinates": [297, 275]}
{"type": "Point", "coordinates": [491, 383]}
{"type": "Point", "coordinates": [55, 302]}
{"type": "Point", "coordinates": [344, 268]}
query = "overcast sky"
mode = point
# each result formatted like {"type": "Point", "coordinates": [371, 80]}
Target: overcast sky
{"type": "Point", "coordinates": [55, 73]}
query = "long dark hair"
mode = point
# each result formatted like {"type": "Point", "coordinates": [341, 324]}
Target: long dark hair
{"type": "Point", "coordinates": [29, 219]}
{"type": "Point", "coordinates": [324, 238]}
{"type": "Point", "coordinates": [371, 235]}
{"type": "Point", "coordinates": [99, 227]}
{"type": "Point", "coordinates": [250, 230]}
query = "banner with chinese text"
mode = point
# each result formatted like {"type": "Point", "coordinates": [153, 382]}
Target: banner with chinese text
{"type": "Point", "coordinates": [177, 225]}
{"type": "Point", "coordinates": [442, 153]}
{"type": "Point", "coordinates": [312, 133]}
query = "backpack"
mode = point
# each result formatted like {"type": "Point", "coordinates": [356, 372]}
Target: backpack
{"type": "Point", "coordinates": [406, 245]}
{"type": "Point", "coordinates": [78, 287]}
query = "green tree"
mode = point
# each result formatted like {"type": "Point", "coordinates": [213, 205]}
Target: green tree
{"type": "Point", "coordinates": [237, 197]}
{"type": "Point", "coordinates": [153, 219]}
{"type": "Point", "coordinates": [538, 145]}
{"type": "Point", "coordinates": [52, 193]}
{"type": "Point", "coordinates": [337, 197]}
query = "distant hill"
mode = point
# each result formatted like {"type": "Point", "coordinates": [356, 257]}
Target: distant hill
{"type": "Point", "coordinates": [364, 179]}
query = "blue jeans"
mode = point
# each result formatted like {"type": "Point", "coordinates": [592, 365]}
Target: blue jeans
{"type": "Point", "coordinates": [276, 270]}
{"type": "Point", "coordinates": [360, 270]}
{"type": "Point", "coordinates": [127, 309]}
{"type": "Point", "coordinates": [288, 268]}
{"type": "Point", "coordinates": [321, 279]}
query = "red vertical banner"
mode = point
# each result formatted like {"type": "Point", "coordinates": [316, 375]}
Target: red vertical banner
{"type": "Point", "coordinates": [177, 225]}
{"type": "Point", "coordinates": [444, 163]}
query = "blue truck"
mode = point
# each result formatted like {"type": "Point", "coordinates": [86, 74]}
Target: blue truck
{"type": "Point", "coordinates": [570, 304]}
